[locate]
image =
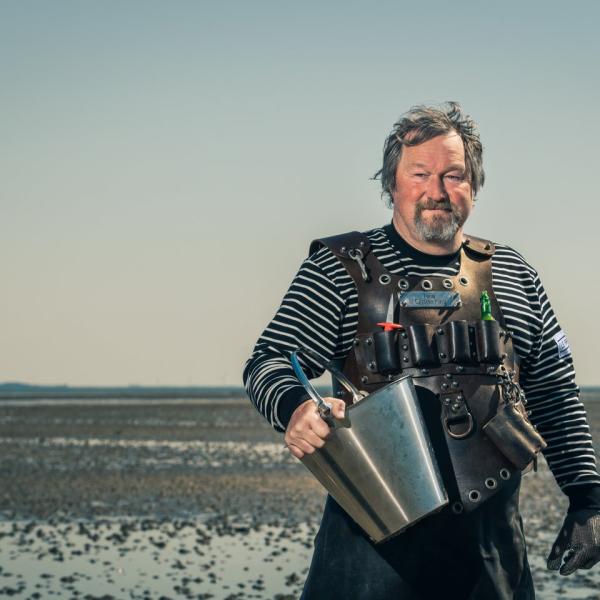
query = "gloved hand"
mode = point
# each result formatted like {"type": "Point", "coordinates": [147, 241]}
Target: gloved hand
{"type": "Point", "coordinates": [580, 539]}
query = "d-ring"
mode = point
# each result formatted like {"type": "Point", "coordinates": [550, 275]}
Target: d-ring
{"type": "Point", "coordinates": [459, 436]}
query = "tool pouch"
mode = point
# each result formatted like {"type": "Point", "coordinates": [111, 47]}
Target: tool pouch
{"type": "Point", "coordinates": [514, 435]}
{"type": "Point", "coordinates": [386, 351]}
{"type": "Point", "coordinates": [488, 342]}
{"type": "Point", "coordinates": [420, 338]}
{"type": "Point", "coordinates": [457, 338]}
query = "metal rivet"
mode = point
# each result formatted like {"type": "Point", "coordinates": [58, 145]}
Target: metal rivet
{"type": "Point", "coordinates": [448, 375]}
{"type": "Point", "coordinates": [372, 366]}
{"type": "Point", "coordinates": [442, 355]}
{"type": "Point", "coordinates": [460, 368]}
{"type": "Point", "coordinates": [403, 334]}
{"type": "Point", "coordinates": [369, 341]}
{"type": "Point", "coordinates": [364, 379]}
{"type": "Point", "coordinates": [445, 385]}
{"type": "Point", "coordinates": [425, 371]}
{"type": "Point", "coordinates": [404, 347]}
{"type": "Point", "coordinates": [440, 331]}
{"type": "Point", "coordinates": [455, 384]}
{"type": "Point", "coordinates": [356, 341]}
{"type": "Point", "coordinates": [343, 249]}
{"type": "Point", "coordinates": [404, 303]}
{"type": "Point", "coordinates": [446, 401]}
{"type": "Point", "coordinates": [405, 358]}
{"type": "Point", "coordinates": [384, 279]}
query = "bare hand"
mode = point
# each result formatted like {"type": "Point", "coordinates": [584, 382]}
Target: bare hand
{"type": "Point", "coordinates": [306, 430]}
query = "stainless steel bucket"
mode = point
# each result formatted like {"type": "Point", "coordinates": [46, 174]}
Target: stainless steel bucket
{"type": "Point", "coordinates": [378, 463]}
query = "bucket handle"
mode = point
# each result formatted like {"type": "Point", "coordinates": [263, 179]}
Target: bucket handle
{"type": "Point", "coordinates": [323, 407]}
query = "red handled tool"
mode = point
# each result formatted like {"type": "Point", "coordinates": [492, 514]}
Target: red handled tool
{"type": "Point", "coordinates": [388, 324]}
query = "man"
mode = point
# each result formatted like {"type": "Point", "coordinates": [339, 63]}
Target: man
{"type": "Point", "coordinates": [474, 548]}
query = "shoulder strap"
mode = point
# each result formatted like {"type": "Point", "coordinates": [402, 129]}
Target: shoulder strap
{"type": "Point", "coordinates": [341, 244]}
{"type": "Point", "coordinates": [479, 246]}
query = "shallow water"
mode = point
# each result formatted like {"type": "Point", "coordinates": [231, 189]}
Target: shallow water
{"type": "Point", "coordinates": [142, 558]}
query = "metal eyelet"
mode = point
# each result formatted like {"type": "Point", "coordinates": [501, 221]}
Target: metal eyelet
{"type": "Point", "coordinates": [474, 495]}
{"type": "Point", "coordinates": [403, 284]}
{"type": "Point", "coordinates": [463, 280]}
{"type": "Point", "coordinates": [384, 279]}
{"type": "Point", "coordinates": [491, 483]}
{"type": "Point", "coordinates": [504, 474]}
{"type": "Point", "coordinates": [426, 284]}
{"type": "Point", "coordinates": [447, 283]}
{"type": "Point", "coordinates": [457, 508]}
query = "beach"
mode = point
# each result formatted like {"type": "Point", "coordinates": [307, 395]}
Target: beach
{"type": "Point", "coordinates": [184, 498]}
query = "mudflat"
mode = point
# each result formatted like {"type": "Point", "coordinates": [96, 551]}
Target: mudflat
{"type": "Point", "coordinates": [187, 498]}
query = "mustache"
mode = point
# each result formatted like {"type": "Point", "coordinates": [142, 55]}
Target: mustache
{"type": "Point", "coordinates": [435, 204]}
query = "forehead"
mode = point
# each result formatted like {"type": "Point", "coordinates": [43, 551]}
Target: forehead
{"type": "Point", "coordinates": [440, 150]}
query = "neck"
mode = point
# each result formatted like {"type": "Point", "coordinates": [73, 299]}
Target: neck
{"type": "Point", "coordinates": [434, 247]}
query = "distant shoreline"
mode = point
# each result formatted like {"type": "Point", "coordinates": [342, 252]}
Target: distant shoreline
{"type": "Point", "coordinates": [20, 391]}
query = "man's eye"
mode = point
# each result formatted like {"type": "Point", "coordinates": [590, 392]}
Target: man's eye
{"type": "Point", "coordinates": [420, 175]}
{"type": "Point", "coordinates": [455, 177]}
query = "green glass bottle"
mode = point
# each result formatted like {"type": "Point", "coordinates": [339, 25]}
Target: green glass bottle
{"type": "Point", "coordinates": [486, 307]}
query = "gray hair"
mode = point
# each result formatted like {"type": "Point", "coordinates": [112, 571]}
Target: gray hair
{"type": "Point", "coordinates": [422, 123]}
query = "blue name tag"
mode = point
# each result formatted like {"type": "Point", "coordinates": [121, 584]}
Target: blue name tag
{"type": "Point", "coordinates": [430, 300]}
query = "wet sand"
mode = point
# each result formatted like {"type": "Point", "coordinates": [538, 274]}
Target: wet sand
{"type": "Point", "coordinates": [190, 499]}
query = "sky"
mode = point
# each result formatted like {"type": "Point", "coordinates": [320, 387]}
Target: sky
{"type": "Point", "coordinates": [165, 165]}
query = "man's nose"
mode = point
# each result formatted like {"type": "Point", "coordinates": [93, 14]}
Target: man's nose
{"type": "Point", "coordinates": [436, 189]}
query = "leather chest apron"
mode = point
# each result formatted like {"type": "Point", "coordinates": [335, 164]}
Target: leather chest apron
{"type": "Point", "coordinates": [463, 367]}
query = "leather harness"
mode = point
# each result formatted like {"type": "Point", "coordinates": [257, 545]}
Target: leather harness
{"type": "Point", "coordinates": [460, 364]}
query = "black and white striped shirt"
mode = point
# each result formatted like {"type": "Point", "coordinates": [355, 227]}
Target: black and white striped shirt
{"type": "Point", "coordinates": [320, 311]}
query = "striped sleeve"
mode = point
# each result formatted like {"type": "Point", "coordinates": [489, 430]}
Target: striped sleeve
{"type": "Point", "coordinates": [311, 315]}
{"type": "Point", "coordinates": [547, 372]}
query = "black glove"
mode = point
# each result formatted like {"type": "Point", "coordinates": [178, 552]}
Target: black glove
{"type": "Point", "coordinates": [580, 539]}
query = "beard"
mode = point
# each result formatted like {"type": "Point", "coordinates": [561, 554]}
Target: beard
{"type": "Point", "coordinates": [439, 226]}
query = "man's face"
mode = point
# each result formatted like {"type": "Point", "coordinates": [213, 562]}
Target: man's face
{"type": "Point", "coordinates": [433, 196]}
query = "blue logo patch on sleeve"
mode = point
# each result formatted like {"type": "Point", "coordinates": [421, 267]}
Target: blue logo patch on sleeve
{"type": "Point", "coordinates": [563, 344]}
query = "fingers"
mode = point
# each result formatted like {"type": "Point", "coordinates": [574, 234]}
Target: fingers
{"type": "Point", "coordinates": [555, 557]}
{"type": "Point", "coordinates": [338, 407]}
{"type": "Point", "coordinates": [295, 450]}
{"type": "Point", "coordinates": [570, 561]}
{"type": "Point", "coordinates": [590, 563]}
{"type": "Point", "coordinates": [573, 561]}
{"type": "Point", "coordinates": [307, 431]}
